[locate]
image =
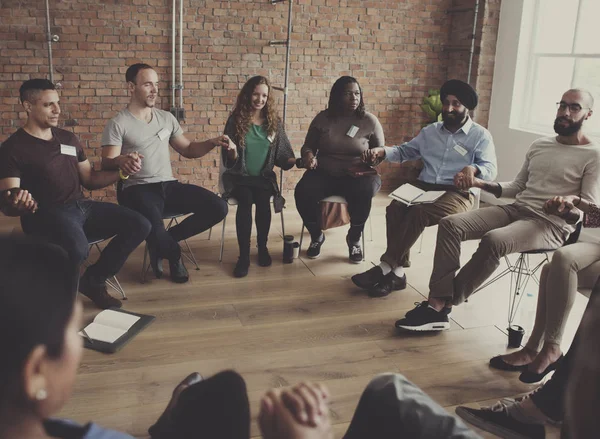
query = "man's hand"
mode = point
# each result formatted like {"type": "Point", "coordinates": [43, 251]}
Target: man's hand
{"type": "Point", "coordinates": [19, 202]}
{"type": "Point", "coordinates": [231, 148]}
{"type": "Point", "coordinates": [130, 163]}
{"type": "Point", "coordinates": [373, 156]}
{"type": "Point", "coordinates": [310, 161]}
{"type": "Point", "coordinates": [223, 141]}
{"type": "Point", "coordinates": [299, 412]}
{"type": "Point", "coordinates": [465, 179]}
{"type": "Point", "coordinates": [560, 206]}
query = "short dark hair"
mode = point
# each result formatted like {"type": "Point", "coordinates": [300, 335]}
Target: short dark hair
{"type": "Point", "coordinates": [37, 297]}
{"type": "Point", "coordinates": [31, 87]}
{"type": "Point", "coordinates": [334, 107]}
{"type": "Point", "coordinates": [133, 70]}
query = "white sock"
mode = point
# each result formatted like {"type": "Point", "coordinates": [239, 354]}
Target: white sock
{"type": "Point", "coordinates": [385, 267]}
{"type": "Point", "coordinates": [399, 271]}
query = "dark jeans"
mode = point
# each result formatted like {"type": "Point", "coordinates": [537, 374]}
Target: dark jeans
{"type": "Point", "coordinates": [73, 225]}
{"type": "Point", "coordinates": [390, 407]}
{"type": "Point", "coordinates": [358, 191]}
{"type": "Point", "coordinates": [155, 200]}
{"type": "Point", "coordinates": [248, 191]}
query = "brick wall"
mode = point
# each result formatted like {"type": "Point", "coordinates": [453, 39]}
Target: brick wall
{"type": "Point", "coordinates": [397, 49]}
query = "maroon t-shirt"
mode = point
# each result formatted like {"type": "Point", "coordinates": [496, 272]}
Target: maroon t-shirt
{"type": "Point", "coordinates": [47, 168]}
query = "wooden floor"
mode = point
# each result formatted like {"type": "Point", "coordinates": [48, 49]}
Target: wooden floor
{"type": "Point", "coordinates": [286, 323]}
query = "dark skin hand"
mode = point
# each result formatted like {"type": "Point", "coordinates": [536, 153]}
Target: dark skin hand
{"type": "Point", "coordinates": [17, 202]}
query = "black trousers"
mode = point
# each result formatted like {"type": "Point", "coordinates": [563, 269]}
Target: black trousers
{"type": "Point", "coordinates": [155, 200]}
{"type": "Point", "coordinates": [358, 191]}
{"type": "Point", "coordinates": [248, 191]}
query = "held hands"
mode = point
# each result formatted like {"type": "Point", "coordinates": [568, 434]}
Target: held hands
{"type": "Point", "coordinates": [310, 161]}
{"type": "Point", "coordinates": [131, 163]}
{"type": "Point", "coordinates": [224, 142]}
{"type": "Point", "coordinates": [373, 156]}
{"type": "Point", "coordinates": [465, 179]}
{"type": "Point", "coordinates": [298, 412]}
{"type": "Point", "coordinates": [561, 206]}
{"type": "Point", "coordinates": [20, 201]}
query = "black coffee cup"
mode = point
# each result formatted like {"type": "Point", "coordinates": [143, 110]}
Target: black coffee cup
{"type": "Point", "coordinates": [288, 249]}
{"type": "Point", "coordinates": [515, 336]}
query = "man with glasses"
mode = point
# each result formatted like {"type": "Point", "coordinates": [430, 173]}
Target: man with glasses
{"type": "Point", "coordinates": [568, 163]}
{"type": "Point", "coordinates": [453, 152]}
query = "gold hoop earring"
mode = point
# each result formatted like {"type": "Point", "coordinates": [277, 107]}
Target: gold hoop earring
{"type": "Point", "coordinates": [41, 395]}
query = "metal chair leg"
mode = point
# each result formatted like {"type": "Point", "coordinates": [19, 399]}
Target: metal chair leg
{"type": "Point", "coordinates": [209, 233]}
{"type": "Point", "coordinates": [301, 237]}
{"type": "Point", "coordinates": [190, 255]}
{"type": "Point", "coordinates": [222, 239]}
{"type": "Point", "coordinates": [363, 246]}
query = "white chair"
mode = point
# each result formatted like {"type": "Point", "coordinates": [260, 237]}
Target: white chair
{"type": "Point", "coordinates": [112, 282]}
{"type": "Point", "coordinates": [342, 200]}
{"type": "Point", "coordinates": [185, 252]}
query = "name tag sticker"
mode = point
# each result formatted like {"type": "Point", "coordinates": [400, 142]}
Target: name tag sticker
{"type": "Point", "coordinates": [352, 131]}
{"type": "Point", "coordinates": [271, 138]}
{"type": "Point", "coordinates": [459, 149]}
{"type": "Point", "coordinates": [68, 150]}
{"type": "Point", "coordinates": [163, 134]}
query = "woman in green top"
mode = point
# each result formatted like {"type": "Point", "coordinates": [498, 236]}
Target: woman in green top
{"type": "Point", "coordinates": [260, 144]}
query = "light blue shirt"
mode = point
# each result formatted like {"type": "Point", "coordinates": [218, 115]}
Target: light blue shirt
{"type": "Point", "coordinates": [445, 153]}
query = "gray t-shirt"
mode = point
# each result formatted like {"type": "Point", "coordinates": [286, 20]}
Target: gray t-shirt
{"type": "Point", "coordinates": [149, 139]}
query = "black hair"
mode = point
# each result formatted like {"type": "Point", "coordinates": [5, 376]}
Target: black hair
{"type": "Point", "coordinates": [133, 70]}
{"type": "Point", "coordinates": [30, 87]}
{"type": "Point", "coordinates": [334, 108]}
{"type": "Point", "coordinates": [38, 284]}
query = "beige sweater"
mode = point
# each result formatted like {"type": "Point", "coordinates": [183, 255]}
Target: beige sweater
{"type": "Point", "coordinates": [552, 169]}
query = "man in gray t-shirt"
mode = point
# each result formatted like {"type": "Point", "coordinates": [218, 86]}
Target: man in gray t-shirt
{"type": "Point", "coordinates": [142, 134]}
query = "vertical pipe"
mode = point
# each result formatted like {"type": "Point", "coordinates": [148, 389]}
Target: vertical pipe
{"type": "Point", "coordinates": [472, 51]}
{"type": "Point", "coordinates": [181, 54]}
{"type": "Point", "coordinates": [173, 104]}
{"type": "Point", "coordinates": [49, 39]}
{"type": "Point", "coordinates": [287, 61]}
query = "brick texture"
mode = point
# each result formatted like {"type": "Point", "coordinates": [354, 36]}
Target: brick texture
{"type": "Point", "coordinates": [398, 50]}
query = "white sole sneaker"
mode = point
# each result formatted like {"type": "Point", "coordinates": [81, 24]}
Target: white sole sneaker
{"type": "Point", "coordinates": [437, 326]}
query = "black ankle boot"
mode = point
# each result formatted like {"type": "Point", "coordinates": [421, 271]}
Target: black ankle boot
{"type": "Point", "coordinates": [241, 268]}
{"type": "Point", "coordinates": [264, 258]}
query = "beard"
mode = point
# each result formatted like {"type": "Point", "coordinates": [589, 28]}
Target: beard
{"type": "Point", "coordinates": [567, 130]}
{"type": "Point", "coordinates": [454, 118]}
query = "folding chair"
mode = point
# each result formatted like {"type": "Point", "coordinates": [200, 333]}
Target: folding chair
{"type": "Point", "coordinates": [112, 282]}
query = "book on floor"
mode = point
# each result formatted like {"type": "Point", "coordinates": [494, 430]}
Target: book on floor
{"type": "Point", "coordinates": [410, 195]}
{"type": "Point", "coordinates": [112, 329]}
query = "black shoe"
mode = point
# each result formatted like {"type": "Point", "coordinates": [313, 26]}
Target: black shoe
{"type": "Point", "coordinates": [314, 249]}
{"type": "Point", "coordinates": [155, 262]}
{"type": "Point", "coordinates": [241, 268]}
{"type": "Point", "coordinates": [532, 377]}
{"type": "Point", "coordinates": [497, 421]}
{"type": "Point", "coordinates": [264, 258]}
{"type": "Point", "coordinates": [424, 318]}
{"type": "Point", "coordinates": [179, 273]}
{"type": "Point", "coordinates": [498, 363]}
{"type": "Point", "coordinates": [389, 283]}
{"type": "Point", "coordinates": [355, 253]}
{"type": "Point", "coordinates": [369, 278]}
{"type": "Point", "coordinates": [97, 293]}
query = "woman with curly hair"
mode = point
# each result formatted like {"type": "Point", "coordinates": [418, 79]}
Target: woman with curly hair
{"type": "Point", "coordinates": [339, 135]}
{"type": "Point", "coordinates": [259, 143]}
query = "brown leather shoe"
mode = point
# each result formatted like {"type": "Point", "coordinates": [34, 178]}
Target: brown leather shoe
{"type": "Point", "coordinates": [97, 293]}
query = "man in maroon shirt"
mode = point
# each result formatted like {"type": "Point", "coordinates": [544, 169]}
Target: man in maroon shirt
{"type": "Point", "coordinates": [42, 169]}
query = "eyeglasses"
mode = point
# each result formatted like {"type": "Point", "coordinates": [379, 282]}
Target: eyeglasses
{"type": "Point", "coordinates": [573, 108]}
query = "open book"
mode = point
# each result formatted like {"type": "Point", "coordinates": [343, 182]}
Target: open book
{"type": "Point", "coordinates": [409, 195]}
{"type": "Point", "coordinates": [111, 329]}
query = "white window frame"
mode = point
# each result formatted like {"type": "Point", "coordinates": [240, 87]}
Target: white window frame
{"type": "Point", "coordinates": [527, 65]}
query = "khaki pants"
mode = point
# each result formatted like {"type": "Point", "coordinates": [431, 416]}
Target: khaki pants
{"type": "Point", "coordinates": [502, 229]}
{"type": "Point", "coordinates": [405, 224]}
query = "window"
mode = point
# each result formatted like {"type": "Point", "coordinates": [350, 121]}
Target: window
{"type": "Point", "coordinates": [559, 48]}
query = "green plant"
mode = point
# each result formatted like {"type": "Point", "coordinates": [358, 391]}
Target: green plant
{"type": "Point", "coordinates": [432, 105]}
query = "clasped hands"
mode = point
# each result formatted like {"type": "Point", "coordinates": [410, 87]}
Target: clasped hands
{"type": "Point", "coordinates": [130, 163]}
{"type": "Point", "coordinates": [561, 206]}
{"type": "Point", "coordinates": [298, 412]}
{"type": "Point", "coordinates": [19, 200]}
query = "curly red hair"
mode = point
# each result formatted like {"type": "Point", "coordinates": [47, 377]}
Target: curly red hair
{"type": "Point", "coordinates": [242, 112]}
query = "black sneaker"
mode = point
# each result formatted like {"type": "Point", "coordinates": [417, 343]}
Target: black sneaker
{"type": "Point", "coordinates": [97, 293]}
{"type": "Point", "coordinates": [155, 262]}
{"type": "Point", "coordinates": [179, 273]}
{"type": "Point", "coordinates": [497, 421]}
{"type": "Point", "coordinates": [264, 258]}
{"type": "Point", "coordinates": [241, 267]}
{"type": "Point", "coordinates": [355, 253]}
{"type": "Point", "coordinates": [389, 283]}
{"type": "Point", "coordinates": [424, 318]}
{"type": "Point", "coordinates": [314, 249]}
{"type": "Point", "coordinates": [369, 278]}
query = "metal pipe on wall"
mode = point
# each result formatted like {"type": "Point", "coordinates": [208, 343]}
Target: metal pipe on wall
{"type": "Point", "coordinates": [50, 38]}
{"type": "Point", "coordinates": [181, 55]}
{"type": "Point", "coordinates": [173, 103]}
{"type": "Point", "coordinates": [472, 51]}
{"type": "Point", "coordinates": [287, 62]}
